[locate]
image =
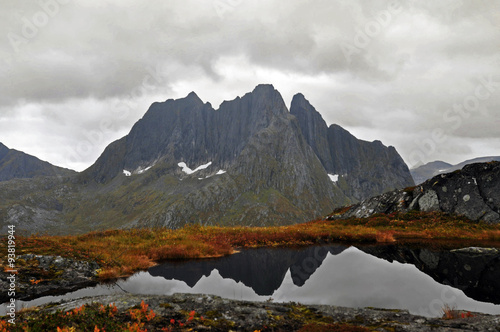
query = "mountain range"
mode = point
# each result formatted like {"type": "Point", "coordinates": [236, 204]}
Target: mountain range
{"type": "Point", "coordinates": [250, 162]}
{"type": "Point", "coordinates": [425, 172]}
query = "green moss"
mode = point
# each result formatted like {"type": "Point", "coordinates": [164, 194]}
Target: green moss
{"type": "Point", "coordinates": [213, 319]}
{"type": "Point", "coordinates": [409, 189]}
{"type": "Point", "coordinates": [212, 314]}
{"type": "Point", "coordinates": [306, 315]}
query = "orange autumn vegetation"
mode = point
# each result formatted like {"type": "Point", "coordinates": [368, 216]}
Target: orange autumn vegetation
{"type": "Point", "coordinates": [123, 252]}
{"type": "Point", "coordinates": [100, 318]}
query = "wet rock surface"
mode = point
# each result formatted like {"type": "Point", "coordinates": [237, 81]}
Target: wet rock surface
{"type": "Point", "coordinates": [474, 270]}
{"type": "Point", "coordinates": [48, 275]}
{"type": "Point", "coordinates": [473, 192]}
{"type": "Point", "coordinates": [228, 315]}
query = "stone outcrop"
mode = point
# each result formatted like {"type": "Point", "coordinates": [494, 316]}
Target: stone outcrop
{"type": "Point", "coordinates": [473, 192]}
{"type": "Point", "coordinates": [425, 172]}
{"type": "Point", "coordinates": [48, 275]}
{"type": "Point", "coordinates": [229, 315]}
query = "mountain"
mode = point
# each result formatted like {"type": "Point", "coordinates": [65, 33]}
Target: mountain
{"type": "Point", "coordinates": [427, 171]}
{"type": "Point", "coordinates": [368, 168]}
{"type": "Point", "coordinates": [250, 162]}
{"type": "Point", "coordinates": [16, 164]}
{"type": "Point", "coordinates": [273, 265]}
{"type": "Point", "coordinates": [258, 169]}
{"type": "Point", "coordinates": [473, 191]}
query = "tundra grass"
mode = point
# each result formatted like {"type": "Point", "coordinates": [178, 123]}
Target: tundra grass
{"type": "Point", "coordinates": [122, 252]}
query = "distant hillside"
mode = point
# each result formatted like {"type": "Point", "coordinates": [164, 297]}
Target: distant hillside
{"type": "Point", "coordinates": [429, 170]}
{"type": "Point", "coordinates": [18, 165]}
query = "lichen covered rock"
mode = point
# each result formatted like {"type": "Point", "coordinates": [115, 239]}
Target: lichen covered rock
{"type": "Point", "coordinates": [473, 192]}
{"type": "Point", "coordinates": [48, 275]}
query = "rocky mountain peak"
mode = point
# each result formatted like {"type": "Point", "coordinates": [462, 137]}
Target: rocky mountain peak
{"type": "Point", "coordinates": [299, 101]}
{"type": "Point", "coordinates": [363, 166]}
{"type": "Point", "coordinates": [264, 89]}
{"type": "Point", "coordinates": [251, 162]}
{"type": "Point", "coordinates": [313, 128]}
{"type": "Point", "coordinates": [193, 98]}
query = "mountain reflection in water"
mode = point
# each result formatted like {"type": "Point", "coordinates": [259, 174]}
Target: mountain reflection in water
{"type": "Point", "coordinates": [372, 276]}
{"type": "Point", "coordinates": [261, 269]}
{"type": "Point", "coordinates": [378, 276]}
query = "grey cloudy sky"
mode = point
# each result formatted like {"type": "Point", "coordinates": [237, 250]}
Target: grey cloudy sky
{"type": "Point", "coordinates": [423, 76]}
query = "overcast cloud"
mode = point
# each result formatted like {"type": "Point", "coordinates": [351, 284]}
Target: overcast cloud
{"type": "Point", "coordinates": [423, 76]}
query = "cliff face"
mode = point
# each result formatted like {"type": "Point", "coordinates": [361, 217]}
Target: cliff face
{"type": "Point", "coordinates": [368, 168]}
{"type": "Point", "coordinates": [250, 162]}
{"type": "Point", "coordinates": [473, 191]}
{"type": "Point", "coordinates": [256, 167]}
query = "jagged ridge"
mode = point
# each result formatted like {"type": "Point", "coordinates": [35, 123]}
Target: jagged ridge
{"type": "Point", "coordinates": [368, 168]}
{"type": "Point", "coordinates": [260, 167]}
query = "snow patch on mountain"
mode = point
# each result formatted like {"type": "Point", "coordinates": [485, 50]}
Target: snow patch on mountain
{"type": "Point", "coordinates": [220, 172]}
{"type": "Point", "coordinates": [188, 170]}
{"type": "Point", "coordinates": [142, 170]}
{"type": "Point", "coordinates": [334, 177]}
{"type": "Point", "coordinates": [138, 170]}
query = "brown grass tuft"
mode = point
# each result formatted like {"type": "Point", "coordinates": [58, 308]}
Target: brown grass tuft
{"type": "Point", "coordinates": [385, 237]}
{"type": "Point", "coordinates": [450, 312]}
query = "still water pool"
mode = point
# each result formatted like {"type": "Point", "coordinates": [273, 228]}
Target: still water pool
{"type": "Point", "coordinates": [418, 280]}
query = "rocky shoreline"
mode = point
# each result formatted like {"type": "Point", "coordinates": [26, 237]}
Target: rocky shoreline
{"type": "Point", "coordinates": [221, 314]}
{"type": "Point", "coordinates": [51, 275]}
{"type": "Point", "coordinates": [39, 276]}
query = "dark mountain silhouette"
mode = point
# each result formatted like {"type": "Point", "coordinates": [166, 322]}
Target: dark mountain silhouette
{"type": "Point", "coordinates": [250, 162]}
{"type": "Point", "coordinates": [16, 164]}
{"type": "Point", "coordinates": [473, 270]}
{"type": "Point", "coordinates": [271, 264]}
